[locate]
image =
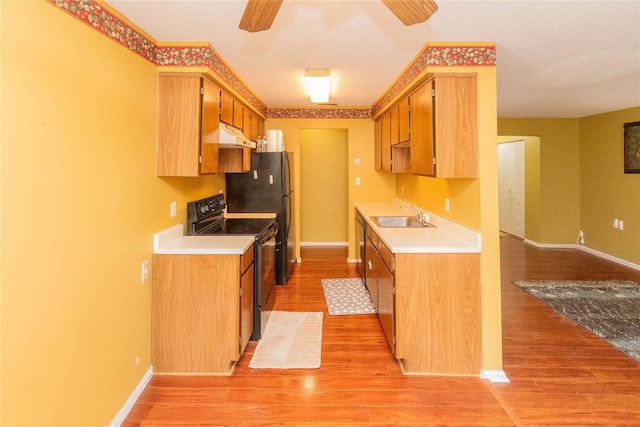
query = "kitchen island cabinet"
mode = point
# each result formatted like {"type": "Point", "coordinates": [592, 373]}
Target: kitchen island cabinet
{"type": "Point", "coordinates": [428, 293]}
{"type": "Point", "coordinates": [202, 311]}
{"type": "Point", "coordinates": [438, 313]}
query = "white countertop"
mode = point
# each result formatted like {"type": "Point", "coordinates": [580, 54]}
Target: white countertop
{"type": "Point", "coordinates": [446, 237]}
{"type": "Point", "coordinates": [172, 241]}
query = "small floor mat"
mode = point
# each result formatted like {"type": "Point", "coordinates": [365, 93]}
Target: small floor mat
{"type": "Point", "coordinates": [291, 340]}
{"type": "Point", "coordinates": [347, 296]}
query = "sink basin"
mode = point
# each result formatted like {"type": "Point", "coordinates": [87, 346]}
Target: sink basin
{"type": "Point", "coordinates": [399, 222]}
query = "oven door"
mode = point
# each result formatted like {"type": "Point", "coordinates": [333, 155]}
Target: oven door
{"type": "Point", "coordinates": [265, 280]}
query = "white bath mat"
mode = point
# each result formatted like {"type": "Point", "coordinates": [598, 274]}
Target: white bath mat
{"type": "Point", "coordinates": [291, 340]}
{"type": "Point", "coordinates": [347, 296]}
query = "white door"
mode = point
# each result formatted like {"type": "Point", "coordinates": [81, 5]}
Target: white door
{"type": "Point", "coordinates": [511, 183]}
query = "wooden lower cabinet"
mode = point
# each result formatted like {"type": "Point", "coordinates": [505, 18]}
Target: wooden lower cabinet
{"type": "Point", "coordinates": [438, 329]}
{"type": "Point", "coordinates": [202, 312]}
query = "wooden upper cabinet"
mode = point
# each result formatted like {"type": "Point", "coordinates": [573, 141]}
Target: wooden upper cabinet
{"type": "Point", "coordinates": [444, 128]}
{"type": "Point", "coordinates": [377, 138]}
{"type": "Point", "coordinates": [210, 124]}
{"type": "Point", "coordinates": [255, 127]}
{"type": "Point", "coordinates": [393, 124]}
{"type": "Point", "coordinates": [246, 123]}
{"type": "Point", "coordinates": [385, 140]}
{"type": "Point", "coordinates": [422, 152]}
{"type": "Point", "coordinates": [404, 121]}
{"type": "Point", "coordinates": [188, 111]}
{"type": "Point", "coordinates": [238, 114]}
{"type": "Point", "coordinates": [231, 111]}
{"type": "Point", "coordinates": [226, 108]}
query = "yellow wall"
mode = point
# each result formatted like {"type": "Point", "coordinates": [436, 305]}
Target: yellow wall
{"type": "Point", "coordinates": [473, 203]}
{"type": "Point", "coordinates": [323, 167]}
{"type": "Point", "coordinates": [558, 219]}
{"type": "Point", "coordinates": [606, 192]}
{"type": "Point", "coordinates": [375, 187]}
{"type": "Point", "coordinates": [80, 204]}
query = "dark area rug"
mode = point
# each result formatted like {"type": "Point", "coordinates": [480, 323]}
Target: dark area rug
{"type": "Point", "coordinates": [609, 309]}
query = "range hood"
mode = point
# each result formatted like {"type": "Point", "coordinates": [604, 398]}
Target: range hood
{"type": "Point", "coordinates": [230, 137]}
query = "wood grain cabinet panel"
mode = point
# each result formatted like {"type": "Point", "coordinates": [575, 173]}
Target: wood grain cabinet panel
{"type": "Point", "coordinates": [188, 111]}
{"type": "Point", "coordinates": [202, 311]}
{"type": "Point", "coordinates": [438, 327]}
{"type": "Point", "coordinates": [444, 127]}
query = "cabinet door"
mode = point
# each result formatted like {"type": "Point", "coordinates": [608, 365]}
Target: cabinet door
{"type": "Point", "coordinates": [238, 114]}
{"type": "Point", "coordinates": [246, 122]}
{"type": "Point", "coordinates": [372, 270]}
{"type": "Point", "coordinates": [377, 140]}
{"type": "Point", "coordinates": [394, 119]}
{"type": "Point", "coordinates": [255, 127]}
{"type": "Point", "coordinates": [226, 108]}
{"type": "Point", "coordinates": [190, 290]}
{"type": "Point", "coordinates": [456, 135]}
{"type": "Point", "coordinates": [179, 109]}
{"type": "Point", "coordinates": [385, 142]}
{"type": "Point", "coordinates": [422, 148]}
{"type": "Point", "coordinates": [210, 124]}
{"type": "Point", "coordinates": [386, 294]}
{"type": "Point", "coordinates": [246, 306]}
{"type": "Point", "coordinates": [403, 120]}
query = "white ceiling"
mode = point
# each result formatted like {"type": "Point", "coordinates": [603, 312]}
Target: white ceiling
{"type": "Point", "coordinates": [554, 58]}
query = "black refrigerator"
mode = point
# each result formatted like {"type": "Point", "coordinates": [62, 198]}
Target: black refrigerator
{"type": "Point", "coordinates": [268, 187]}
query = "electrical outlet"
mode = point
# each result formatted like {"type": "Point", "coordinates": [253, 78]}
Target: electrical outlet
{"type": "Point", "coordinates": [144, 271]}
{"type": "Point", "coordinates": [172, 209]}
{"type": "Point", "coordinates": [615, 223]}
{"type": "Point", "coordinates": [357, 180]}
{"type": "Point", "coordinates": [620, 224]}
{"type": "Point", "coordinates": [357, 161]}
{"type": "Point", "coordinates": [446, 204]}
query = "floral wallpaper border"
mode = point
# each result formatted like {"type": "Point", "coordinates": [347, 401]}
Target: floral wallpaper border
{"type": "Point", "coordinates": [103, 19]}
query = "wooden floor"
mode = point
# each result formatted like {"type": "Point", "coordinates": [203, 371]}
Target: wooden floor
{"type": "Point", "coordinates": [560, 374]}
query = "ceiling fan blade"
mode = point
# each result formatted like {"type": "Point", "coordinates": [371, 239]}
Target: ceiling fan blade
{"type": "Point", "coordinates": [412, 11]}
{"type": "Point", "coordinates": [259, 15]}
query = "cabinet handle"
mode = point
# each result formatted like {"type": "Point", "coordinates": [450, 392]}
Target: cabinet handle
{"type": "Point", "coordinates": [370, 265]}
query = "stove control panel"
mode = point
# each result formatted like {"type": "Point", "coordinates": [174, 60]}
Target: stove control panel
{"type": "Point", "coordinates": [202, 209]}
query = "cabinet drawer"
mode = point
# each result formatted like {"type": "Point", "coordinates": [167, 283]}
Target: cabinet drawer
{"type": "Point", "coordinates": [373, 237]}
{"type": "Point", "coordinates": [386, 255]}
{"type": "Point", "coordinates": [246, 259]}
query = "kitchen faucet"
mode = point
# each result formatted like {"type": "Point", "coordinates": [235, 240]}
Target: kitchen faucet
{"type": "Point", "coordinates": [413, 211]}
{"type": "Point", "coordinates": [423, 217]}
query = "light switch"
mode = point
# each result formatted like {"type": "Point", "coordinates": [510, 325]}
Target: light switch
{"type": "Point", "coordinates": [357, 180]}
{"type": "Point", "coordinates": [357, 161]}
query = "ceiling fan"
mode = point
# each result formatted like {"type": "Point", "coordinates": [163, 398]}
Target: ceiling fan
{"type": "Point", "coordinates": [259, 14]}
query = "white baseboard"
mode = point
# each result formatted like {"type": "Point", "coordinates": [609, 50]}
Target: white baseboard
{"type": "Point", "coordinates": [494, 376]}
{"type": "Point", "coordinates": [128, 406]}
{"type": "Point", "coordinates": [324, 243]}
{"type": "Point", "coordinates": [586, 249]}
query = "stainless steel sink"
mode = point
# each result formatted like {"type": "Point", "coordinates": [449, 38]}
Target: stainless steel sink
{"type": "Point", "coordinates": [399, 222]}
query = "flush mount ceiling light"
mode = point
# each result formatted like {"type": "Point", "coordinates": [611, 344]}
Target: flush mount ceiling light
{"type": "Point", "coordinates": [318, 85]}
